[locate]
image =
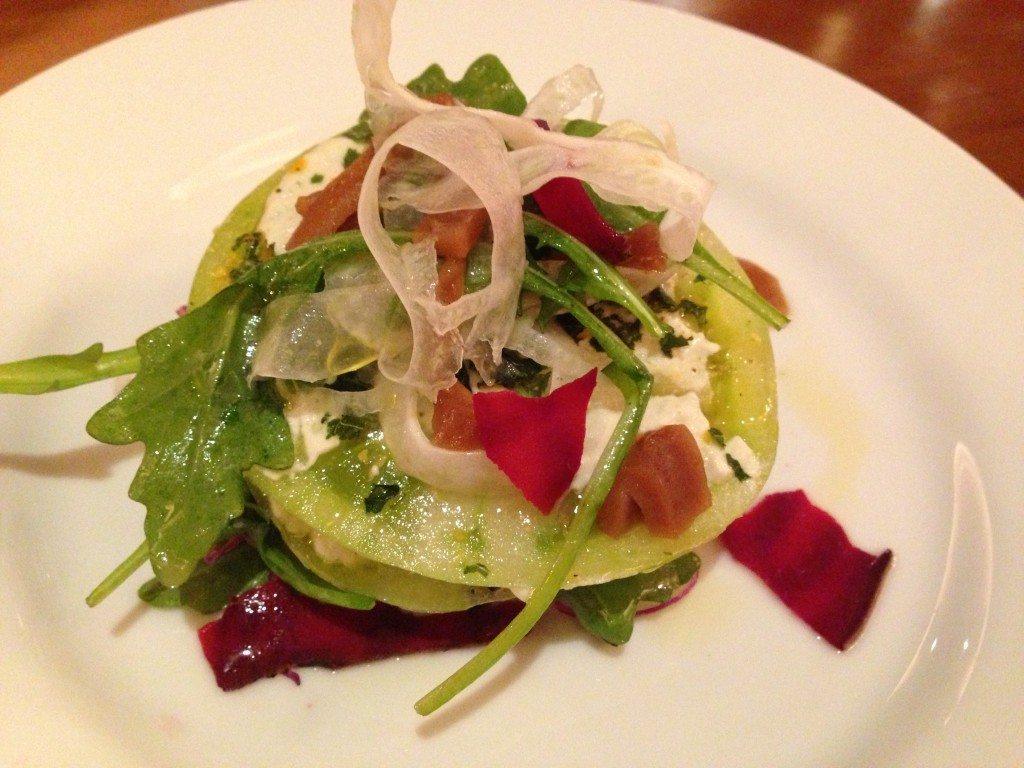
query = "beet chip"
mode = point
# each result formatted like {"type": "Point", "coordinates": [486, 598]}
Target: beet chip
{"type": "Point", "coordinates": [271, 629]}
{"type": "Point", "coordinates": [805, 558]}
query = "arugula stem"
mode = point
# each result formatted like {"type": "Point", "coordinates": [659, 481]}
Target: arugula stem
{"type": "Point", "coordinates": [603, 281]}
{"type": "Point", "coordinates": [119, 575]}
{"type": "Point", "coordinates": [301, 269]}
{"type": "Point", "coordinates": [633, 379]}
{"type": "Point", "coordinates": [707, 266]}
{"type": "Point", "coordinates": [50, 373]}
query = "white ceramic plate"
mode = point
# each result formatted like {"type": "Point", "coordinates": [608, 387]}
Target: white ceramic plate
{"type": "Point", "coordinates": [901, 256]}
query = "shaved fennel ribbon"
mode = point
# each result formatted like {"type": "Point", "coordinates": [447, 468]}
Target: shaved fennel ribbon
{"type": "Point", "coordinates": [466, 144]}
{"type": "Point", "coordinates": [493, 160]}
{"type": "Point", "coordinates": [621, 168]}
{"type": "Point", "coordinates": [414, 454]}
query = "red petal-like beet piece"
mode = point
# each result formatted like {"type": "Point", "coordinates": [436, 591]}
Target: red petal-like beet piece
{"type": "Point", "coordinates": [536, 441]}
{"type": "Point", "coordinates": [805, 558]}
{"type": "Point", "coordinates": [270, 629]}
{"type": "Point", "coordinates": [566, 204]}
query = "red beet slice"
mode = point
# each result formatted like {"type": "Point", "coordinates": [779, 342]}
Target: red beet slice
{"type": "Point", "coordinates": [566, 204]}
{"type": "Point", "coordinates": [805, 558]}
{"type": "Point", "coordinates": [270, 629]}
{"type": "Point", "coordinates": [536, 441]}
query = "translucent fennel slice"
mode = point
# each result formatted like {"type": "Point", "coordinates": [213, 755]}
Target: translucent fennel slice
{"type": "Point", "coordinates": [475, 153]}
{"type": "Point", "coordinates": [490, 536]}
{"type": "Point", "coordinates": [469, 472]}
{"type": "Point", "coordinates": [621, 169]}
{"type": "Point", "coordinates": [563, 93]}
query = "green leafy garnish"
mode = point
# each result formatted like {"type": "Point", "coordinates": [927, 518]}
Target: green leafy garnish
{"type": "Point", "coordinates": [283, 562]}
{"type": "Point", "coordinates": [212, 584]}
{"type": "Point", "coordinates": [593, 275]}
{"type": "Point", "coordinates": [119, 575]}
{"type": "Point", "coordinates": [635, 382]}
{"type": "Point", "coordinates": [252, 249]}
{"type": "Point", "coordinates": [706, 266]}
{"type": "Point", "coordinates": [607, 610]}
{"type": "Point", "coordinates": [202, 425]}
{"type": "Point", "coordinates": [349, 427]}
{"type": "Point", "coordinates": [252, 550]}
{"type": "Point", "coordinates": [50, 373]}
{"type": "Point", "coordinates": [379, 495]}
{"type": "Point", "coordinates": [487, 84]}
{"type": "Point", "coordinates": [520, 373]}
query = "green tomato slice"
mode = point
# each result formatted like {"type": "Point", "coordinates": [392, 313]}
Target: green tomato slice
{"type": "Point", "coordinates": [503, 541]}
{"type": "Point", "coordinates": [387, 584]}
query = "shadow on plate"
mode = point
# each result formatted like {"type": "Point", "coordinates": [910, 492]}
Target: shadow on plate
{"type": "Point", "coordinates": [91, 462]}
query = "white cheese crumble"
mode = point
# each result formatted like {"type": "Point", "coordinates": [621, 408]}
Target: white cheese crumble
{"type": "Point", "coordinates": [679, 381]}
{"type": "Point", "coordinates": [686, 370]}
{"type": "Point", "coordinates": [309, 173]}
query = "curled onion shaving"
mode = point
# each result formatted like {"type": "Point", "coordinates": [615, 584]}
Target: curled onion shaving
{"type": "Point", "coordinates": [473, 151]}
{"type": "Point", "coordinates": [621, 170]}
{"type": "Point", "coordinates": [563, 93]}
{"type": "Point", "coordinates": [414, 454]}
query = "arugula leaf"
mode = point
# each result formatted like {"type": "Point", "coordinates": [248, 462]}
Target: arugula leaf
{"type": "Point", "coordinates": [487, 84]}
{"type": "Point", "coordinates": [212, 584]}
{"type": "Point", "coordinates": [279, 559]}
{"type": "Point", "coordinates": [705, 265]}
{"type": "Point", "coordinates": [635, 383]}
{"type": "Point", "coordinates": [256, 552]}
{"type": "Point", "coordinates": [592, 274]}
{"type": "Point", "coordinates": [607, 610]}
{"type": "Point", "coordinates": [202, 425]}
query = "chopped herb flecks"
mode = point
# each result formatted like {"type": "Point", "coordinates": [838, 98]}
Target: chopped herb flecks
{"type": "Point", "coordinates": [252, 249]}
{"type": "Point", "coordinates": [379, 495]}
{"type": "Point", "coordinates": [737, 468]}
{"type": "Point", "coordinates": [671, 341]}
{"type": "Point", "coordinates": [478, 568]}
{"type": "Point", "coordinates": [626, 327]}
{"type": "Point", "coordinates": [520, 373]}
{"type": "Point", "coordinates": [347, 426]}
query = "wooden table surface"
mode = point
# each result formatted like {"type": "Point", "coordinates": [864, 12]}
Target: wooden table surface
{"type": "Point", "coordinates": [957, 64]}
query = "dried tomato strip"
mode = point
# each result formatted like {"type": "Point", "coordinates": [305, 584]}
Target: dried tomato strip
{"type": "Point", "coordinates": [326, 211]}
{"type": "Point", "coordinates": [661, 483]}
